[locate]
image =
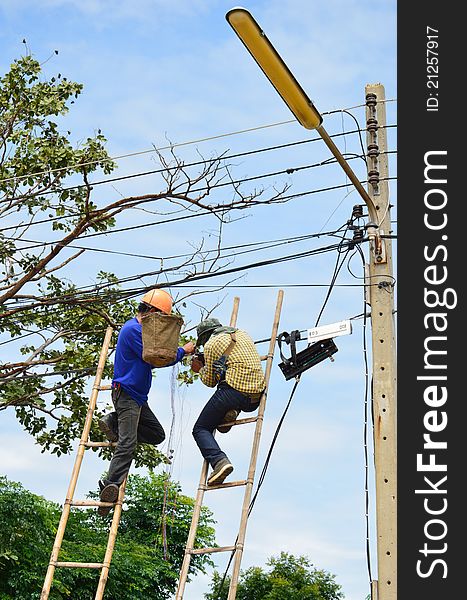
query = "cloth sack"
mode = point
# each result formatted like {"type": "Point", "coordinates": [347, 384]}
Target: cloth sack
{"type": "Point", "coordinates": [161, 335]}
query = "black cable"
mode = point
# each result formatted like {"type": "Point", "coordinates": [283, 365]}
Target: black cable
{"type": "Point", "coordinates": [169, 168]}
{"type": "Point", "coordinates": [274, 439]}
{"type": "Point", "coordinates": [137, 203]}
{"type": "Point", "coordinates": [359, 130]}
{"type": "Point", "coordinates": [337, 269]}
{"type": "Point", "coordinates": [125, 294]}
{"type": "Point", "coordinates": [204, 213]}
{"type": "Point", "coordinates": [267, 243]}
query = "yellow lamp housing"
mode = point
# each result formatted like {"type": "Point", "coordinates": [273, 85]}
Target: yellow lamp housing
{"type": "Point", "coordinates": [272, 65]}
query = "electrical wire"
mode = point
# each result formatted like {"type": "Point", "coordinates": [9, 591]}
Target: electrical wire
{"type": "Point", "coordinates": [214, 211]}
{"type": "Point", "coordinates": [169, 147]}
{"type": "Point", "coordinates": [237, 249]}
{"type": "Point", "coordinates": [338, 266]}
{"type": "Point", "coordinates": [86, 292]}
{"type": "Point", "coordinates": [267, 243]}
{"type": "Point", "coordinates": [271, 447]}
{"type": "Point", "coordinates": [204, 162]}
{"type": "Point", "coordinates": [138, 202]}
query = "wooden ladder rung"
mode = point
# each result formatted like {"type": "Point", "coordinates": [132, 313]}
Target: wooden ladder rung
{"type": "Point", "coordinates": [226, 485]}
{"type": "Point", "coordinates": [212, 550]}
{"type": "Point", "coordinates": [90, 503]}
{"type": "Point", "coordinates": [241, 421]}
{"type": "Point", "coordinates": [103, 387]}
{"type": "Point", "coordinates": [73, 565]}
{"type": "Point", "coordinates": [98, 444]}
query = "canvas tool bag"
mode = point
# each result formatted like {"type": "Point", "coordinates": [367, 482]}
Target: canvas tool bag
{"type": "Point", "coordinates": [161, 335]}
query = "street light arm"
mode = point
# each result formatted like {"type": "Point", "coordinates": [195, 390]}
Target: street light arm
{"type": "Point", "coordinates": [291, 92]}
{"type": "Point", "coordinates": [351, 175]}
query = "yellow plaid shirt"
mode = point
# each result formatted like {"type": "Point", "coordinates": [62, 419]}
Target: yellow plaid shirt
{"type": "Point", "coordinates": [244, 371]}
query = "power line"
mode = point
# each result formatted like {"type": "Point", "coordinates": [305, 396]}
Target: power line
{"type": "Point", "coordinates": [89, 294]}
{"type": "Point", "coordinates": [196, 163]}
{"type": "Point", "coordinates": [168, 168]}
{"type": "Point", "coordinates": [199, 214]}
{"type": "Point", "coordinates": [260, 245]}
{"type": "Point", "coordinates": [171, 146]}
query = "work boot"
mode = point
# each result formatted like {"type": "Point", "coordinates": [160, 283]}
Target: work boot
{"type": "Point", "coordinates": [229, 416]}
{"type": "Point", "coordinates": [220, 471]}
{"type": "Point", "coordinates": [108, 425]}
{"type": "Point", "coordinates": [108, 493]}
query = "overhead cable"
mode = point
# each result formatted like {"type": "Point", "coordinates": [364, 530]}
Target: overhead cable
{"type": "Point", "coordinates": [169, 147]}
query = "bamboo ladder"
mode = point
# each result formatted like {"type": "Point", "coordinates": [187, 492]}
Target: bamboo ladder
{"type": "Point", "coordinates": [237, 548]}
{"type": "Point", "coordinates": [69, 502]}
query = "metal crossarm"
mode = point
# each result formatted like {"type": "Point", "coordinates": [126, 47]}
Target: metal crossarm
{"type": "Point", "coordinates": [237, 548]}
{"type": "Point", "coordinates": [69, 501]}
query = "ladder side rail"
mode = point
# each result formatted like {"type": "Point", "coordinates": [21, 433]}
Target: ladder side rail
{"type": "Point", "coordinates": [254, 455]}
{"type": "Point", "coordinates": [199, 497]}
{"type": "Point", "coordinates": [76, 468]}
{"type": "Point", "coordinates": [192, 533]}
{"type": "Point", "coordinates": [111, 542]}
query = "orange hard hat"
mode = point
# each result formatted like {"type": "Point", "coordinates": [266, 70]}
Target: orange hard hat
{"type": "Point", "coordinates": [159, 299]}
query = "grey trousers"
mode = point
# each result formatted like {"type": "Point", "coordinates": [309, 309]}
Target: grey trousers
{"type": "Point", "coordinates": [136, 425]}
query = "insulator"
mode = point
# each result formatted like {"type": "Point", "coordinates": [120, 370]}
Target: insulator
{"type": "Point", "coordinates": [358, 235]}
{"type": "Point", "coordinates": [357, 211]}
{"type": "Point", "coordinates": [373, 177]}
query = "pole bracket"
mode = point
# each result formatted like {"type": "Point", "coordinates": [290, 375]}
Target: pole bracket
{"type": "Point", "coordinates": [377, 244]}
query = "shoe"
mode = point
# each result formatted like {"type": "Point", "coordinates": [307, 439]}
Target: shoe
{"type": "Point", "coordinates": [220, 471]}
{"type": "Point", "coordinates": [108, 493]}
{"type": "Point", "coordinates": [229, 416]}
{"type": "Point", "coordinates": [107, 424]}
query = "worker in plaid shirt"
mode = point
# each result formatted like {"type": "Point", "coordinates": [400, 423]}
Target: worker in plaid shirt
{"type": "Point", "coordinates": [231, 362]}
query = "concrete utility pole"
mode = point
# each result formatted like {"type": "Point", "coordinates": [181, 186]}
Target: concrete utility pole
{"type": "Point", "coordinates": [381, 288]}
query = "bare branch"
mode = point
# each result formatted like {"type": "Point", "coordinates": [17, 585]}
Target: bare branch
{"type": "Point", "coordinates": [65, 262]}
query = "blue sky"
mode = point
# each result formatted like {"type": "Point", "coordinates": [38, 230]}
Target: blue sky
{"type": "Point", "coordinates": [155, 71]}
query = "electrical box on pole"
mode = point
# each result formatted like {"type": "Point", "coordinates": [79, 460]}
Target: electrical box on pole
{"type": "Point", "coordinates": [380, 283]}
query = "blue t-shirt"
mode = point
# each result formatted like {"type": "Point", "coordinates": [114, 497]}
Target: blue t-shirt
{"type": "Point", "coordinates": [130, 370]}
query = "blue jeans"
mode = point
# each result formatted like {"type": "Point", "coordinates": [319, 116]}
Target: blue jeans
{"type": "Point", "coordinates": [225, 398]}
{"type": "Point", "coordinates": [136, 425]}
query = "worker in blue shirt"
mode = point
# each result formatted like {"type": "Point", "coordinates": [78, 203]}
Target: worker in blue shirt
{"type": "Point", "coordinates": [133, 421]}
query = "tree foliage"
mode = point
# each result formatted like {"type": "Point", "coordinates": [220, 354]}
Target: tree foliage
{"type": "Point", "coordinates": [52, 327]}
{"type": "Point", "coordinates": [288, 578]}
{"type": "Point", "coordinates": [148, 552]}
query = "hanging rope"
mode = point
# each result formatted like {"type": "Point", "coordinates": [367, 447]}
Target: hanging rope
{"type": "Point", "coordinates": [170, 456]}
